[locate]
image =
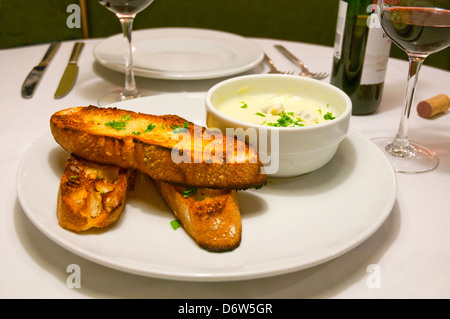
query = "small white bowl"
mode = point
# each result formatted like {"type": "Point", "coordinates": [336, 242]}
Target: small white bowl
{"type": "Point", "coordinates": [286, 151]}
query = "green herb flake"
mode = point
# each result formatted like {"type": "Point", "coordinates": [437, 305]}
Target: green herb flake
{"type": "Point", "coordinates": [189, 192]}
{"type": "Point", "coordinates": [149, 128]}
{"type": "Point", "coordinates": [99, 176]}
{"type": "Point", "coordinates": [180, 129]}
{"type": "Point", "coordinates": [329, 116]}
{"type": "Point", "coordinates": [285, 121]}
{"type": "Point", "coordinates": [244, 105]}
{"type": "Point", "coordinates": [200, 198]}
{"type": "Point", "coordinates": [175, 224]}
{"type": "Point", "coordinates": [126, 118]}
{"type": "Point", "coordinates": [260, 114]}
{"type": "Point", "coordinates": [136, 133]}
{"type": "Point", "coordinates": [119, 125]}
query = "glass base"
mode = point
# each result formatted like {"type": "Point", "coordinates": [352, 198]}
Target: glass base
{"type": "Point", "coordinates": [116, 96]}
{"type": "Point", "coordinates": [413, 159]}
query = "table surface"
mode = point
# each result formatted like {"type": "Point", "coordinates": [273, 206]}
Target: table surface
{"type": "Point", "coordinates": [411, 249]}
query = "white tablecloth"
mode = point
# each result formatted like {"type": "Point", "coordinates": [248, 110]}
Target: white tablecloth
{"type": "Point", "coordinates": [411, 249]}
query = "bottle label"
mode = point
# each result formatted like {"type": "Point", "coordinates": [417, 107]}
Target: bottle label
{"type": "Point", "coordinates": [342, 16]}
{"type": "Point", "coordinates": [377, 53]}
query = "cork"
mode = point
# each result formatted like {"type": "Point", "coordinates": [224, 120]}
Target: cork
{"type": "Point", "coordinates": [435, 105]}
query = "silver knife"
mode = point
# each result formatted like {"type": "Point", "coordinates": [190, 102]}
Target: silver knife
{"type": "Point", "coordinates": [32, 80]}
{"type": "Point", "coordinates": [71, 72]}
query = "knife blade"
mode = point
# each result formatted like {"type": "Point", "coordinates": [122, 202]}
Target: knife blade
{"type": "Point", "coordinates": [70, 73]}
{"type": "Point", "coordinates": [33, 78]}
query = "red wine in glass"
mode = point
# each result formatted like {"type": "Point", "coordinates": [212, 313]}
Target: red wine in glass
{"type": "Point", "coordinates": [418, 30]}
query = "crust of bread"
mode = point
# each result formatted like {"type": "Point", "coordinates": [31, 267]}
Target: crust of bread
{"type": "Point", "coordinates": [91, 195]}
{"type": "Point", "coordinates": [210, 216]}
{"type": "Point", "coordinates": [148, 142]}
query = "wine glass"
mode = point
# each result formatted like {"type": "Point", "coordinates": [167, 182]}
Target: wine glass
{"type": "Point", "coordinates": [420, 28]}
{"type": "Point", "coordinates": [126, 11]}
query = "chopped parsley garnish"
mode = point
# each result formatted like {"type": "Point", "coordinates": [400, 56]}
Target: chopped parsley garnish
{"type": "Point", "coordinates": [150, 127]}
{"type": "Point", "coordinates": [99, 176]}
{"type": "Point", "coordinates": [260, 114]}
{"type": "Point", "coordinates": [189, 192]}
{"type": "Point", "coordinates": [286, 120]}
{"type": "Point", "coordinates": [329, 116]}
{"type": "Point", "coordinates": [175, 224]}
{"type": "Point", "coordinates": [180, 129]}
{"type": "Point", "coordinates": [119, 125]}
{"type": "Point", "coordinates": [244, 105]}
{"type": "Point", "coordinates": [136, 133]}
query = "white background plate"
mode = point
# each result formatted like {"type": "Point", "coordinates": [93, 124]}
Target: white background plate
{"type": "Point", "coordinates": [182, 53]}
{"type": "Point", "coordinates": [290, 224]}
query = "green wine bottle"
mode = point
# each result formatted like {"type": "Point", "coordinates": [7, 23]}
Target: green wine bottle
{"type": "Point", "coordinates": [361, 53]}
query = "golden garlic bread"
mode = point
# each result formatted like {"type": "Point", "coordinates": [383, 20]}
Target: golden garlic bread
{"type": "Point", "coordinates": [210, 216]}
{"type": "Point", "coordinates": [167, 147]}
{"type": "Point", "coordinates": [91, 195]}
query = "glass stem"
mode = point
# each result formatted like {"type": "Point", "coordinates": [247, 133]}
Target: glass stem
{"type": "Point", "coordinates": [131, 90]}
{"type": "Point", "coordinates": [400, 145]}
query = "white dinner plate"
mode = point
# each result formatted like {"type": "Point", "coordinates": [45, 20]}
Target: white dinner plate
{"type": "Point", "coordinates": [182, 53]}
{"type": "Point", "coordinates": [288, 225]}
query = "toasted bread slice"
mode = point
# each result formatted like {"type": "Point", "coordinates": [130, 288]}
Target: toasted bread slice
{"type": "Point", "coordinates": [91, 195]}
{"type": "Point", "coordinates": [167, 147]}
{"type": "Point", "coordinates": [210, 216]}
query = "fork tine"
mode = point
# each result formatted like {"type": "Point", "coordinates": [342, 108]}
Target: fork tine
{"type": "Point", "coordinates": [322, 75]}
{"type": "Point", "coordinates": [319, 75]}
{"type": "Point", "coordinates": [275, 70]}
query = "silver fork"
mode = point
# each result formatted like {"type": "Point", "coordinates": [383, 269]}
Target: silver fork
{"type": "Point", "coordinates": [301, 64]}
{"type": "Point", "coordinates": [273, 68]}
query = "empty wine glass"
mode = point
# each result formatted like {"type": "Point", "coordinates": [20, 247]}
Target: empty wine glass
{"type": "Point", "coordinates": [126, 11]}
{"type": "Point", "coordinates": [420, 28]}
